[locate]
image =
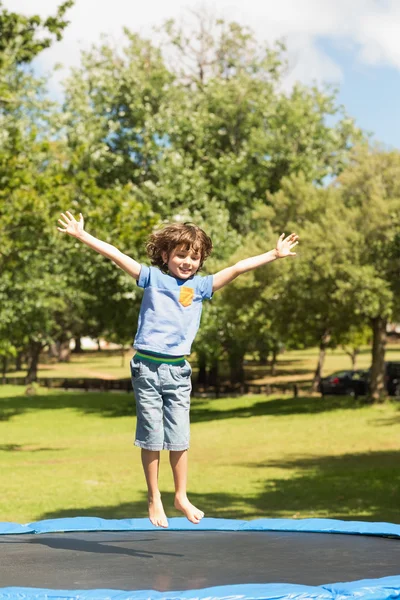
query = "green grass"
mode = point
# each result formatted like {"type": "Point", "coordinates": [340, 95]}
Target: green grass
{"type": "Point", "coordinates": [67, 454]}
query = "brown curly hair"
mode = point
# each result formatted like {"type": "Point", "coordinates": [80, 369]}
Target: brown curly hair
{"type": "Point", "coordinates": [185, 235]}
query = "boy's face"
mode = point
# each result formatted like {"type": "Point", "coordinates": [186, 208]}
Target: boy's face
{"type": "Point", "coordinates": [183, 263]}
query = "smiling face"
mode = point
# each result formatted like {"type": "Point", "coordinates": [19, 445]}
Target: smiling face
{"type": "Point", "coordinates": [183, 263]}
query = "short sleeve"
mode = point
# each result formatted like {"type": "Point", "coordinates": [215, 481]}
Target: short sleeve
{"type": "Point", "coordinates": [144, 277]}
{"type": "Point", "coordinates": [204, 287]}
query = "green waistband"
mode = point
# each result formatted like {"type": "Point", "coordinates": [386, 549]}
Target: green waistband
{"type": "Point", "coordinates": [160, 358]}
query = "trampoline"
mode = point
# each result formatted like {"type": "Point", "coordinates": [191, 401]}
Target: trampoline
{"type": "Point", "coordinates": [98, 559]}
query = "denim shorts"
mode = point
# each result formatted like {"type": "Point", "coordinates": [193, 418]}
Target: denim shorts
{"type": "Point", "coordinates": [162, 394]}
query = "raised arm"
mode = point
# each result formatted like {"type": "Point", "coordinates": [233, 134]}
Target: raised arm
{"type": "Point", "coordinates": [76, 229]}
{"type": "Point", "coordinates": [283, 248]}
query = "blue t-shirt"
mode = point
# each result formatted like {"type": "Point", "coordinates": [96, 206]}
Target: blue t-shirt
{"type": "Point", "coordinates": [170, 312]}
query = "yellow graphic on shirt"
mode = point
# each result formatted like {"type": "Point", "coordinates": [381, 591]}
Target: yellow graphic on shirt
{"type": "Point", "coordinates": [186, 296]}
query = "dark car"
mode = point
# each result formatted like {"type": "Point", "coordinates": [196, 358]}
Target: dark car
{"type": "Point", "coordinates": [356, 383]}
{"type": "Point", "coordinates": [345, 383]}
{"type": "Point", "coordinates": [392, 378]}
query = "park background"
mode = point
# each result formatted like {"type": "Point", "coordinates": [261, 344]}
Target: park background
{"type": "Point", "coordinates": [204, 120]}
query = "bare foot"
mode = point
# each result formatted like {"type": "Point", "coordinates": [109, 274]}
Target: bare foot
{"type": "Point", "coordinates": [156, 512]}
{"type": "Point", "coordinates": [189, 510]}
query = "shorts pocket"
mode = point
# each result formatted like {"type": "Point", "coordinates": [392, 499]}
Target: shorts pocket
{"type": "Point", "coordinates": [186, 370]}
{"type": "Point", "coordinates": [136, 368]}
{"type": "Point", "coordinates": [180, 373]}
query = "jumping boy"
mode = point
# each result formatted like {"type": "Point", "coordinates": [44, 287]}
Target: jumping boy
{"type": "Point", "coordinates": [168, 322]}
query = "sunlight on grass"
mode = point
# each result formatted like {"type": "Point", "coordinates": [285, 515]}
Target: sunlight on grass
{"type": "Point", "coordinates": [69, 454]}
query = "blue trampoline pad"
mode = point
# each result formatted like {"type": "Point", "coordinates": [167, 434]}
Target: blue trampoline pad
{"type": "Point", "coordinates": [89, 558]}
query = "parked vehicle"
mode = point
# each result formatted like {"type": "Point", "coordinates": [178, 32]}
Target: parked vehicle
{"type": "Point", "coordinates": [356, 383]}
{"type": "Point", "coordinates": [392, 379]}
{"type": "Point", "coordinates": [345, 383]}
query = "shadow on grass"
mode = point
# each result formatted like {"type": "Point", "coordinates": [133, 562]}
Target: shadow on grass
{"type": "Point", "coordinates": [111, 405]}
{"type": "Point", "coordinates": [363, 486]}
{"type": "Point", "coordinates": [275, 407]}
{"type": "Point", "coordinates": [25, 448]}
{"type": "Point", "coordinates": [104, 404]}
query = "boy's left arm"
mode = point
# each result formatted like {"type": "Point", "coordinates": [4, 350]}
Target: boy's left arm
{"type": "Point", "coordinates": [283, 248]}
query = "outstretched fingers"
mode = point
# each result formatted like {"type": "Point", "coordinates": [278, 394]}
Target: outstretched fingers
{"type": "Point", "coordinates": [285, 245]}
{"type": "Point", "coordinates": [65, 221]}
{"type": "Point", "coordinates": [64, 224]}
{"type": "Point", "coordinates": [292, 237]}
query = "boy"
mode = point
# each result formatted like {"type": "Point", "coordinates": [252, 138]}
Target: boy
{"type": "Point", "coordinates": [168, 322]}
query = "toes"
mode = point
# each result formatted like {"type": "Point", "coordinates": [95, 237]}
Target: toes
{"type": "Point", "coordinates": [194, 519]}
{"type": "Point", "coordinates": [159, 521]}
{"type": "Point", "coordinates": [163, 522]}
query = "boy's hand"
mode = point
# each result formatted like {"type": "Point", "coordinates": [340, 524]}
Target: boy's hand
{"type": "Point", "coordinates": [70, 225]}
{"type": "Point", "coordinates": [285, 246]}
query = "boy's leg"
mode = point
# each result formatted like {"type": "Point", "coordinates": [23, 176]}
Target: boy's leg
{"type": "Point", "coordinates": [179, 465]}
{"type": "Point", "coordinates": [151, 464]}
{"type": "Point", "coordinates": [149, 433]}
{"type": "Point", "coordinates": [176, 395]}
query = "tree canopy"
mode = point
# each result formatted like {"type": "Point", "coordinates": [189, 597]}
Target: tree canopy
{"type": "Point", "coordinates": [198, 128]}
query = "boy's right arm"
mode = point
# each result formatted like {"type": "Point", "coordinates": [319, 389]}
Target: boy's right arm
{"type": "Point", "coordinates": [76, 229]}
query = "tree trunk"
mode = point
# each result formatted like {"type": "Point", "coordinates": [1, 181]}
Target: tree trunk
{"type": "Point", "coordinates": [236, 370]}
{"type": "Point", "coordinates": [274, 360]}
{"type": "Point", "coordinates": [213, 373]}
{"type": "Point", "coordinates": [34, 354]}
{"type": "Point", "coordinates": [377, 390]}
{"type": "Point", "coordinates": [202, 365]}
{"type": "Point", "coordinates": [325, 339]}
{"type": "Point", "coordinates": [54, 350]}
{"type": "Point", "coordinates": [4, 368]}
{"type": "Point", "coordinates": [64, 352]}
{"type": "Point", "coordinates": [18, 361]}
{"type": "Point", "coordinates": [353, 357]}
{"type": "Point", "coordinates": [353, 354]}
{"type": "Point", "coordinates": [78, 346]}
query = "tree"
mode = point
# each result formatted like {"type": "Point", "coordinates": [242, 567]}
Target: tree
{"type": "Point", "coordinates": [224, 133]}
{"type": "Point", "coordinates": [138, 142]}
{"type": "Point", "coordinates": [233, 124]}
{"type": "Point", "coordinates": [352, 341]}
{"type": "Point", "coordinates": [28, 180]}
{"type": "Point", "coordinates": [371, 191]}
{"type": "Point", "coordinates": [110, 111]}
{"type": "Point", "coordinates": [314, 310]}
{"type": "Point", "coordinates": [22, 38]}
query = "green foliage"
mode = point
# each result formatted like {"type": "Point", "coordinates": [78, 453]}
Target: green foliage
{"type": "Point", "coordinates": [228, 137]}
{"type": "Point", "coordinates": [23, 38]}
{"type": "Point", "coordinates": [200, 130]}
{"type": "Point", "coordinates": [371, 189]}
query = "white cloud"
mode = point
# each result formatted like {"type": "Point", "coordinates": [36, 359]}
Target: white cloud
{"type": "Point", "coordinates": [369, 26]}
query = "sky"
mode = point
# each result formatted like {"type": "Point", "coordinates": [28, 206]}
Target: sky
{"type": "Point", "coordinates": [354, 44]}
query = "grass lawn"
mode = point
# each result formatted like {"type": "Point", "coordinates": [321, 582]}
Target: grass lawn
{"type": "Point", "coordinates": [69, 454]}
